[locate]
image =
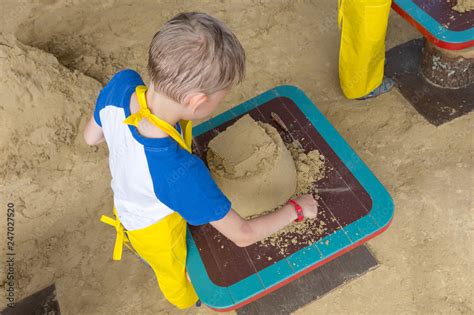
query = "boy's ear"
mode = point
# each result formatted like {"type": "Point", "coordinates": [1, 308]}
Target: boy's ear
{"type": "Point", "coordinates": [195, 100]}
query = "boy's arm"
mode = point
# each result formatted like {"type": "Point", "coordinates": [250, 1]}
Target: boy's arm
{"type": "Point", "coordinates": [246, 232]}
{"type": "Point", "coordinates": [93, 133]}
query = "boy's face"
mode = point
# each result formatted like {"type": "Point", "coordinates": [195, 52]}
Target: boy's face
{"type": "Point", "coordinates": [207, 106]}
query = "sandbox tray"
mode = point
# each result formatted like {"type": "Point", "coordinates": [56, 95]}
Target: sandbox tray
{"type": "Point", "coordinates": [438, 22]}
{"type": "Point", "coordinates": [227, 277]}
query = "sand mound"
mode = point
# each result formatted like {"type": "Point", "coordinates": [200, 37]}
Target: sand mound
{"type": "Point", "coordinates": [45, 167]}
{"type": "Point", "coordinates": [252, 166]}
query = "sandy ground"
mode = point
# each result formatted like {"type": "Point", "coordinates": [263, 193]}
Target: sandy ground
{"type": "Point", "coordinates": [60, 187]}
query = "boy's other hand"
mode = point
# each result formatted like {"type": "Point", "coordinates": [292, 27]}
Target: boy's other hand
{"type": "Point", "coordinates": [309, 205]}
{"type": "Point", "coordinates": [93, 134]}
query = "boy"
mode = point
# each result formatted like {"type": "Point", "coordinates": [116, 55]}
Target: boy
{"type": "Point", "coordinates": [158, 184]}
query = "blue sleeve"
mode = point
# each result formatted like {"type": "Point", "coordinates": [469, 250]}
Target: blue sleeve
{"type": "Point", "coordinates": [112, 92]}
{"type": "Point", "coordinates": [186, 186]}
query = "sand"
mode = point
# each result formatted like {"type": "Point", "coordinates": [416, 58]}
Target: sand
{"type": "Point", "coordinates": [426, 256]}
{"type": "Point", "coordinates": [252, 166]}
{"type": "Point", "coordinates": [53, 179]}
{"type": "Point", "coordinates": [310, 168]}
{"type": "Point", "coordinates": [464, 6]}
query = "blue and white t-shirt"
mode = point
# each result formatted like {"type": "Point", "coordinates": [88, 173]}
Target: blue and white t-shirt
{"type": "Point", "coordinates": [152, 177]}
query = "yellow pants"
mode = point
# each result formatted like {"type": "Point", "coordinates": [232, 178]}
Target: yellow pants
{"type": "Point", "coordinates": [163, 246]}
{"type": "Point", "coordinates": [362, 50]}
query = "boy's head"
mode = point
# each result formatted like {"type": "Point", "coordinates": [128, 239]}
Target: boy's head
{"type": "Point", "coordinates": [194, 59]}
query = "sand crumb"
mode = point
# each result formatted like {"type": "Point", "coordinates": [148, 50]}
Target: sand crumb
{"type": "Point", "coordinates": [302, 233]}
{"type": "Point", "coordinates": [464, 6]}
{"type": "Point", "coordinates": [309, 167]}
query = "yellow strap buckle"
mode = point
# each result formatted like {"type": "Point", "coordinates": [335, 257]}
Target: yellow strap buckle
{"type": "Point", "coordinates": [133, 119]}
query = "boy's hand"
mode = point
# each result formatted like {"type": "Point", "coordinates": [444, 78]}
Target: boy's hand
{"type": "Point", "coordinates": [309, 205]}
{"type": "Point", "coordinates": [246, 232]}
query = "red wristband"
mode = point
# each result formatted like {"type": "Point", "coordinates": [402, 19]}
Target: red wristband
{"type": "Point", "coordinates": [299, 210]}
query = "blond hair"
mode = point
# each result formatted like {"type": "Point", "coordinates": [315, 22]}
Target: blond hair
{"type": "Point", "coordinates": [195, 52]}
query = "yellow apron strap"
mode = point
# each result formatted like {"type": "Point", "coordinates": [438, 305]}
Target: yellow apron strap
{"type": "Point", "coordinates": [187, 128]}
{"type": "Point", "coordinates": [144, 112]}
{"type": "Point", "coordinates": [119, 239]}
